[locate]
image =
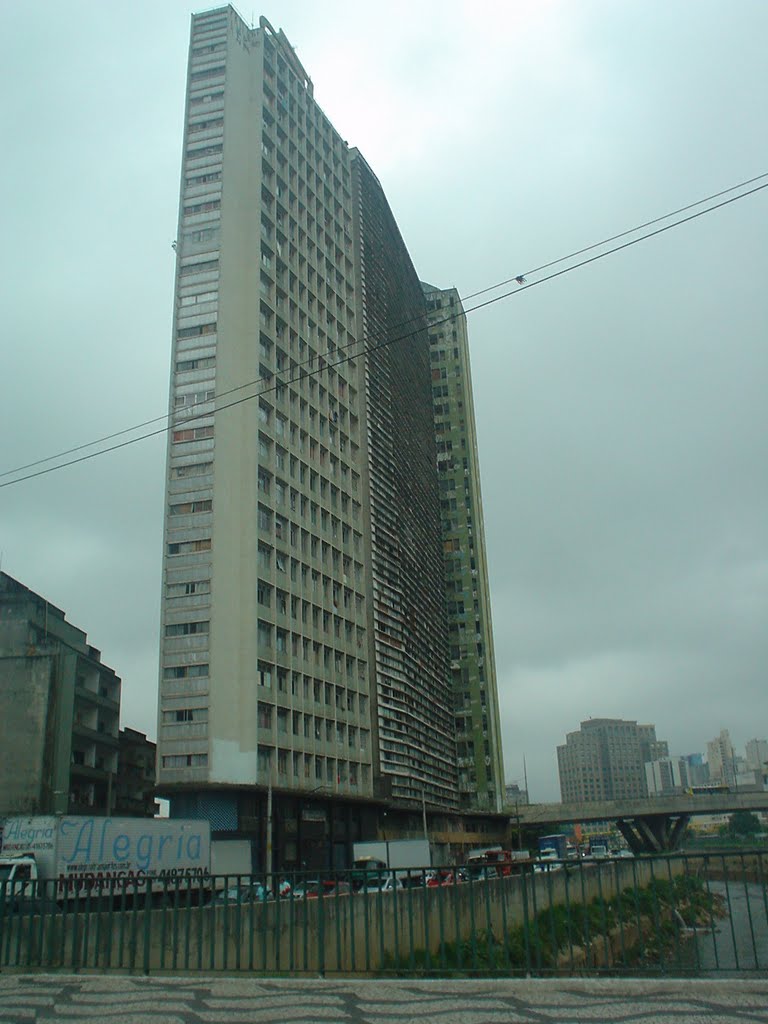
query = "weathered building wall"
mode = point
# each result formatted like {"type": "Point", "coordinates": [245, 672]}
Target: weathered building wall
{"type": "Point", "coordinates": [25, 697]}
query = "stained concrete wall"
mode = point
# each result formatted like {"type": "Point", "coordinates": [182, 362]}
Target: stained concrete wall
{"type": "Point", "coordinates": [26, 684]}
{"type": "Point", "coordinates": [347, 934]}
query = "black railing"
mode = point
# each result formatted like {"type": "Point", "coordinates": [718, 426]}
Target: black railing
{"type": "Point", "coordinates": [677, 914]}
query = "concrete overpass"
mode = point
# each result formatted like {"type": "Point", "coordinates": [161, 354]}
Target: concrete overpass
{"type": "Point", "coordinates": [649, 825]}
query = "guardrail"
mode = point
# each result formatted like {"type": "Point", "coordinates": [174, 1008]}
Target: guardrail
{"type": "Point", "coordinates": [674, 914]}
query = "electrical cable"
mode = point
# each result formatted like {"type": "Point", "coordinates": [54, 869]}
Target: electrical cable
{"type": "Point", "coordinates": [463, 298]}
{"type": "Point", "coordinates": [367, 347]}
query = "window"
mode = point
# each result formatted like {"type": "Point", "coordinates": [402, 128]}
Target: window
{"type": "Point", "coordinates": [190, 547]}
{"type": "Point", "coordinates": [195, 364]}
{"type": "Point", "coordinates": [196, 332]}
{"type": "Point", "coordinates": [264, 675]}
{"type": "Point", "coordinates": [186, 715]}
{"type": "Point", "coordinates": [186, 508]}
{"type": "Point", "coordinates": [187, 628]}
{"type": "Point", "coordinates": [184, 671]}
{"type": "Point", "coordinates": [193, 469]}
{"type": "Point", "coordinates": [192, 434]}
{"type": "Point", "coordinates": [185, 760]}
{"type": "Point", "coordinates": [185, 589]}
{"type": "Point", "coordinates": [264, 715]}
{"type": "Point", "coordinates": [264, 759]}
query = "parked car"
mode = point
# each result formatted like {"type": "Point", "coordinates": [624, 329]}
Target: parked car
{"type": "Point", "coordinates": [306, 889]}
{"type": "Point", "coordinates": [388, 884]}
{"type": "Point", "coordinates": [333, 887]}
{"type": "Point", "coordinates": [312, 888]}
{"type": "Point", "coordinates": [443, 876]}
{"type": "Point", "coordinates": [242, 894]}
{"type": "Point", "coordinates": [482, 873]}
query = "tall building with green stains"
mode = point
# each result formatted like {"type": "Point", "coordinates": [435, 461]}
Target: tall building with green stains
{"type": "Point", "coordinates": [468, 606]}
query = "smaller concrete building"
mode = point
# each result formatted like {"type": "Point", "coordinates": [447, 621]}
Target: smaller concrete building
{"type": "Point", "coordinates": [60, 709]}
{"type": "Point", "coordinates": [135, 784]}
{"type": "Point", "coordinates": [665, 776]}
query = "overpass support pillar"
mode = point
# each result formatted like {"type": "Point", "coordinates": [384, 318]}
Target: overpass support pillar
{"type": "Point", "coordinates": [653, 833]}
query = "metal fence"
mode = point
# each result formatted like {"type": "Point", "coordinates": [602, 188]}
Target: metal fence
{"type": "Point", "coordinates": [678, 914]}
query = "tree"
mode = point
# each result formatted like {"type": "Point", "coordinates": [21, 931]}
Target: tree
{"type": "Point", "coordinates": [743, 823]}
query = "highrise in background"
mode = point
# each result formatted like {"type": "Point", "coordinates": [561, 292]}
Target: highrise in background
{"type": "Point", "coordinates": [721, 758]}
{"type": "Point", "coordinates": [606, 758]}
{"type": "Point", "coordinates": [470, 634]}
{"type": "Point", "coordinates": [305, 647]}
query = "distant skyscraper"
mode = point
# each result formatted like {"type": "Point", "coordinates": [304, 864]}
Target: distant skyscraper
{"type": "Point", "coordinates": [697, 768]}
{"type": "Point", "coordinates": [721, 758]}
{"type": "Point", "coordinates": [666, 775]}
{"type": "Point", "coordinates": [470, 634]}
{"type": "Point", "coordinates": [605, 760]}
{"type": "Point", "coordinates": [305, 646]}
{"type": "Point", "coordinates": [757, 755]}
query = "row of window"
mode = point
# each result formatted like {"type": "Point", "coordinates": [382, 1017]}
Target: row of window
{"type": "Point", "coordinates": [308, 726]}
{"type": "Point", "coordinates": [201, 363]}
{"type": "Point", "coordinates": [185, 671]}
{"type": "Point", "coordinates": [283, 640]}
{"type": "Point", "coordinates": [187, 508]}
{"type": "Point", "coordinates": [292, 88]}
{"type": "Point", "coordinates": [206, 177]}
{"type": "Point", "coordinates": [300, 157]}
{"type": "Point", "coordinates": [188, 628]}
{"type": "Point", "coordinates": [311, 688]}
{"type": "Point", "coordinates": [330, 623]}
{"type": "Point", "coordinates": [269, 558]}
{"type": "Point", "coordinates": [192, 434]}
{"type": "Point", "coordinates": [182, 715]}
{"type": "Point", "coordinates": [331, 770]}
{"type": "Point", "coordinates": [192, 469]}
{"type": "Point", "coordinates": [185, 761]}
{"type": "Point", "coordinates": [190, 547]}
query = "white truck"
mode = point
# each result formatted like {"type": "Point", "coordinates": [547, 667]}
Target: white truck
{"type": "Point", "coordinates": [63, 857]}
{"type": "Point", "coordinates": [376, 860]}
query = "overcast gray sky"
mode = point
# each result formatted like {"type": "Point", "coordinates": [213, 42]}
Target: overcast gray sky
{"type": "Point", "coordinates": [621, 409]}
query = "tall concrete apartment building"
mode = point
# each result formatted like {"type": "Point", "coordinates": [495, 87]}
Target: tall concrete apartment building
{"type": "Point", "coordinates": [468, 603]}
{"type": "Point", "coordinates": [606, 758]}
{"type": "Point", "coordinates": [304, 645]}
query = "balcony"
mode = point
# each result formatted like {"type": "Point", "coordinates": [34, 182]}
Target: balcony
{"type": "Point", "coordinates": [92, 698]}
{"type": "Point", "coordinates": [94, 735]}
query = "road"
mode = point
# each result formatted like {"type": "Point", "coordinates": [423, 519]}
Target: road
{"type": "Point", "coordinates": [206, 1000]}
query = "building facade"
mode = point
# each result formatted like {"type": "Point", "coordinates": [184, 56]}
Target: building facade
{"type": "Point", "coordinates": [721, 758]}
{"type": "Point", "coordinates": [605, 760]}
{"type": "Point", "coordinates": [666, 776]}
{"type": "Point", "coordinates": [757, 756]}
{"type": "Point", "coordinates": [134, 791]}
{"type": "Point", "coordinates": [468, 603]}
{"type": "Point", "coordinates": [304, 648]}
{"type": "Point", "coordinates": [60, 709]}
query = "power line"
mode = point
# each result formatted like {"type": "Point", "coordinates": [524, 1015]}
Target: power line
{"type": "Point", "coordinates": [416, 319]}
{"type": "Point", "coordinates": [367, 347]}
{"type": "Point", "coordinates": [622, 234]}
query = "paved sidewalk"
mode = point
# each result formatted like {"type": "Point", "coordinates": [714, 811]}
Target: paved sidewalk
{"type": "Point", "coordinates": [137, 1000]}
